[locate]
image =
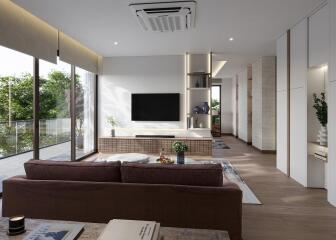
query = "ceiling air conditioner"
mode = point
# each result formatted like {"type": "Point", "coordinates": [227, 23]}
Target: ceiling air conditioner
{"type": "Point", "coordinates": [165, 16]}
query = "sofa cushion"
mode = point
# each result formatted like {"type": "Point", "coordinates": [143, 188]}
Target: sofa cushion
{"type": "Point", "coordinates": [73, 171]}
{"type": "Point", "coordinates": [188, 174]}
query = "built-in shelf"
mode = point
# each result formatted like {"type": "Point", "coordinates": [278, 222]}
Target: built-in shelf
{"type": "Point", "coordinates": [198, 114]}
{"type": "Point", "coordinates": [311, 156]}
{"type": "Point", "coordinates": [318, 145]}
{"type": "Point", "coordinates": [198, 74]}
{"type": "Point", "coordinates": [199, 129]}
{"type": "Point", "coordinates": [198, 89]}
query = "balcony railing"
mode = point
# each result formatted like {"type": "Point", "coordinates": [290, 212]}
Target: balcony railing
{"type": "Point", "coordinates": [16, 137]}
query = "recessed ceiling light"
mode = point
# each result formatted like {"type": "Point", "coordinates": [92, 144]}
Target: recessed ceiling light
{"type": "Point", "coordinates": [231, 39]}
{"type": "Point", "coordinates": [115, 43]}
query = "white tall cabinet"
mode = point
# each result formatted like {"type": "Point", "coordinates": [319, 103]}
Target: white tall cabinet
{"type": "Point", "coordinates": [298, 102]}
{"type": "Point", "coordinates": [332, 105]}
{"type": "Point", "coordinates": [309, 50]}
{"type": "Point", "coordinates": [282, 107]}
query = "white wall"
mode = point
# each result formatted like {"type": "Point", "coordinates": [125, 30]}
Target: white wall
{"type": "Point", "coordinates": [263, 103]}
{"type": "Point", "coordinates": [226, 105]}
{"type": "Point", "coordinates": [243, 105]}
{"type": "Point", "coordinates": [257, 104]}
{"type": "Point", "coordinates": [122, 76]}
{"type": "Point", "coordinates": [234, 106]}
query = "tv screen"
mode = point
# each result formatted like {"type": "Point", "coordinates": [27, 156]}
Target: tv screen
{"type": "Point", "coordinates": [156, 107]}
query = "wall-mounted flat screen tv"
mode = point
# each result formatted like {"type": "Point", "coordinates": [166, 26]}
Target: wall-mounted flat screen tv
{"type": "Point", "coordinates": [156, 107]}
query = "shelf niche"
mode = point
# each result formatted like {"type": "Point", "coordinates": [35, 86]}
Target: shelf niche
{"type": "Point", "coordinates": [317, 83]}
{"type": "Point", "coordinates": [198, 89]}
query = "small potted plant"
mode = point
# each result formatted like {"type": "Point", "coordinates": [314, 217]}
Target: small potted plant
{"type": "Point", "coordinates": [113, 123]}
{"type": "Point", "coordinates": [321, 108]}
{"type": "Point", "coordinates": [180, 148]}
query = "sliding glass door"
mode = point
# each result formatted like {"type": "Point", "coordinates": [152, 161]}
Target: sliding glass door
{"type": "Point", "coordinates": [53, 101]}
{"type": "Point", "coordinates": [54, 110]}
{"type": "Point", "coordinates": [84, 112]}
{"type": "Point", "coordinates": [16, 111]}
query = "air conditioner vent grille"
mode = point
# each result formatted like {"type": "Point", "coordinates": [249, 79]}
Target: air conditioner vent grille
{"type": "Point", "coordinates": [165, 16]}
{"type": "Point", "coordinates": [162, 10]}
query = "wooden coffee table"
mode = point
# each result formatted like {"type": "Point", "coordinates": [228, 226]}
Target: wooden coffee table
{"type": "Point", "coordinates": [93, 230]}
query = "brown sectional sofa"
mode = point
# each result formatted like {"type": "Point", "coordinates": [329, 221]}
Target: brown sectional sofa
{"type": "Point", "coordinates": [174, 195]}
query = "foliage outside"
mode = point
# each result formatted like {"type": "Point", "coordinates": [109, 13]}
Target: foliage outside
{"type": "Point", "coordinates": [179, 147]}
{"type": "Point", "coordinates": [16, 110]}
{"type": "Point", "coordinates": [321, 108]}
{"type": "Point", "coordinates": [215, 105]}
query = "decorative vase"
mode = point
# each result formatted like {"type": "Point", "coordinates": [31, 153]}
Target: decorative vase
{"type": "Point", "coordinates": [205, 107]}
{"type": "Point", "coordinates": [323, 136]}
{"type": "Point", "coordinates": [197, 85]}
{"type": "Point", "coordinates": [197, 110]}
{"type": "Point", "coordinates": [191, 122]}
{"type": "Point", "coordinates": [180, 158]}
{"type": "Point", "coordinates": [112, 132]}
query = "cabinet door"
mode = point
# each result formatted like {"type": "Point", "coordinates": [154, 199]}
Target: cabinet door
{"type": "Point", "coordinates": [299, 62]}
{"type": "Point", "coordinates": [282, 131]}
{"type": "Point", "coordinates": [319, 38]}
{"type": "Point", "coordinates": [331, 181]}
{"type": "Point", "coordinates": [298, 135]}
{"type": "Point", "coordinates": [282, 61]}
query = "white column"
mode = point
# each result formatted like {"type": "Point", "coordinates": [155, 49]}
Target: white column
{"type": "Point", "coordinates": [263, 103]}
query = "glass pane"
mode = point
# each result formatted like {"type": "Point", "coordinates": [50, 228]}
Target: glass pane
{"type": "Point", "coordinates": [16, 111]}
{"type": "Point", "coordinates": [216, 111]}
{"type": "Point", "coordinates": [55, 119]}
{"type": "Point", "coordinates": [85, 84]}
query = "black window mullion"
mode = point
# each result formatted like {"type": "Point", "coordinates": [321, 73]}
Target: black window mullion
{"type": "Point", "coordinates": [36, 110]}
{"type": "Point", "coordinates": [95, 134]}
{"type": "Point", "coordinates": [73, 113]}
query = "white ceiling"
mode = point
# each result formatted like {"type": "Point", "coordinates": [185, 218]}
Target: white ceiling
{"type": "Point", "coordinates": [255, 24]}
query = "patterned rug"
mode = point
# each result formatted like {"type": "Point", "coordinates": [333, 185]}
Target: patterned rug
{"type": "Point", "coordinates": [218, 143]}
{"type": "Point", "coordinates": [233, 175]}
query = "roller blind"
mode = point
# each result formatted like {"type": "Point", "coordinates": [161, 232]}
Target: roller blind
{"type": "Point", "coordinates": [22, 31]}
{"type": "Point", "coordinates": [75, 53]}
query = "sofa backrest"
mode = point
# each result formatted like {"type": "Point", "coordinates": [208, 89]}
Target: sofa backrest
{"type": "Point", "coordinates": [187, 174]}
{"type": "Point", "coordinates": [73, 171]}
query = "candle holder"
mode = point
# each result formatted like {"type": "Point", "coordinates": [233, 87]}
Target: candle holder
{"type": "Point", "coordinates": [16, 225]}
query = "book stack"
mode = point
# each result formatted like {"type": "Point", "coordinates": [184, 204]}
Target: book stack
{"type": "Point", "coordinates": [119, 229]}
{"type": "Point", "coordinates": [321, 155]}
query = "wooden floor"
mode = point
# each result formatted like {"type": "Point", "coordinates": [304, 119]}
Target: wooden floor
{"type": "Point", "coordinates": [289, 211]}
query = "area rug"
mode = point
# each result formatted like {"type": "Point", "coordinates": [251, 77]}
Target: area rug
{"type": "Point", "coordinates": [233, 175]}
{"type": "Point", "coordinates": [218, 143]}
